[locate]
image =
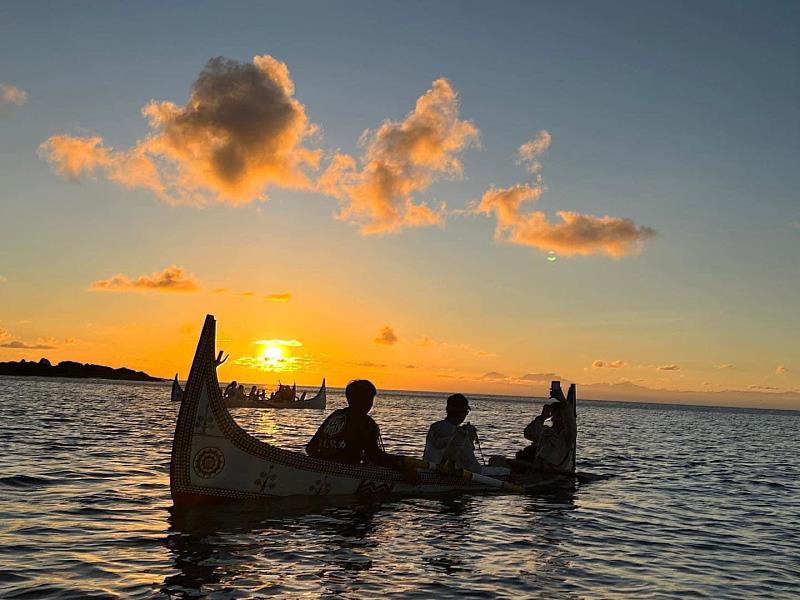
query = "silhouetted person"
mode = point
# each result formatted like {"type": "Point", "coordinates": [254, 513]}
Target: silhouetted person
{"type": "Point", "coordinates": [230, 389]}
{"type": "Point", "coordinates": [551, 446]}
{"type": "Point", "coordinates": [449, 442]}
{"type": "Point", "coordinates": [253, 395]}
{"type": "Point", "coordinates": [349, 435]}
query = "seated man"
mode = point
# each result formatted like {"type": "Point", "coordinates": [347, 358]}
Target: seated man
{"type": "Point", "coordinates": [349, 435]}
{"type": "Point", "coordinates": [449, 442]}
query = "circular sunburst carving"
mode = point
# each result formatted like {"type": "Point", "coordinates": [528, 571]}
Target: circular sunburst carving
{"type": "Point", "coordinates": [208, 462]}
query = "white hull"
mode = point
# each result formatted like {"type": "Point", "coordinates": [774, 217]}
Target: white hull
{"type": "Point", "coordinates": [214, 459]}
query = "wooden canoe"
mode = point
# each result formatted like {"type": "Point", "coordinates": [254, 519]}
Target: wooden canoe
{"type": "Point", "coordinates": [319, 401]}
{"type": "Point", "coordinates": [214, 459]}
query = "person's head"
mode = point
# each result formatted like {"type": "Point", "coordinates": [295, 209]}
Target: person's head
{"type": "Point", "coordinates": [233, 383]}
{"type": "Point", "coordinates": [253, 389]}
{"type": "Point", "coordinates": [360, 394]}
{"type": "Point", "coordinates": [457, 408]}
{"type": "Point", "coordinates": [241, 388]}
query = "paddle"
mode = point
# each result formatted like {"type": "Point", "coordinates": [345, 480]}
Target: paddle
{"type": "Point", "coordinates": [465, 475]}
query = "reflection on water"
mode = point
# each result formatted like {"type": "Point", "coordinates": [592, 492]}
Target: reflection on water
{"type": "Point", "coordinates": [700, 502]}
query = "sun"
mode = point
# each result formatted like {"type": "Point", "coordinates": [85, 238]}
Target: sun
{"type": "Point", "coordinates": [273, 354]}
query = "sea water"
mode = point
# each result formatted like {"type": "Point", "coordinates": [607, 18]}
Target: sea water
{"type": "Point", "coordinates": [685, 502]}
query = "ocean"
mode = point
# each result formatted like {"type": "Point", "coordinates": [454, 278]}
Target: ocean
{"type": "Point", "coordinates": [681, 502]}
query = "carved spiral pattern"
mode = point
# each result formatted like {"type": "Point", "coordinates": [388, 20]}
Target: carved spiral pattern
{"type": "Point", "coordinates": [208, 462]}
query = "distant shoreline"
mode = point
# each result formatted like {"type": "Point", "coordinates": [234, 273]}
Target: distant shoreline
{"type": "Point", "coordinates": [72, 370]}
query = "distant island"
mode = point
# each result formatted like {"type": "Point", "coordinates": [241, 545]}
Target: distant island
{"type": "Point", "coordinates": [68, 368]}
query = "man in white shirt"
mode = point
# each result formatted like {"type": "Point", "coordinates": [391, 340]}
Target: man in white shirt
{"type": "Point", "coordinates": [450, 442]}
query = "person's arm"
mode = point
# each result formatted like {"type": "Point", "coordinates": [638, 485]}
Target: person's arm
{"type": "Point", "coordinates": [373, 453]}
{"type": "Point", "coordinates": [533, 431]}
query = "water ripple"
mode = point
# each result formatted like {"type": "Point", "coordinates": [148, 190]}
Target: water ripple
{"type": "Point", "coordinates": [674, 502]}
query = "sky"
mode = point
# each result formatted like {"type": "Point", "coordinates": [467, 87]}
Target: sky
{"type": "Point", "coordinates": [444, 196]}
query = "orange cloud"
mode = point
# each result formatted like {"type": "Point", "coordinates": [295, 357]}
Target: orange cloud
{"type": "Point", "coordinates": [241, 131]}
{"type": "Point", "coordinates": [669, 368]}
{"type": "Point", "coordinates": [18, 345]}
{"type": "Point", "coordinates": [577, 234]}
{"type": "Point", "coordinates": [282, 297]}
{"type": "Point", "coordinates": [615, 364]}
{"type": "Point", "coordinates": [11, 95]}
{"type": "Point", "coordinates": [386, 336]}
{"type": "Point", "coordinates": [529, 151]}
{"type": "Point", "coordinates": [724, 366]}
{"type": "Point", "coordinates": [428, 342]}
{"type": "Point", "coordinates": [401, 160]}
{"type": "Point", "coordinates": [171, 279]}
{"type": "Point", "coordinates": [780, 370]}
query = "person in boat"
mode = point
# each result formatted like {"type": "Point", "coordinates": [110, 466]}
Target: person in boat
{"type": "Point", "coordinates": [253, 395]}
{"type": "Point", "coordinates": [239, 393]}
{"type": "Point", "coordinates": [451, 443]}
{"type": "Point", "coordinates": [229, 389]}
{"type": "Point", "coordinates": [551, 446]}
{"type": "Point", "coordinates": [350, 435]}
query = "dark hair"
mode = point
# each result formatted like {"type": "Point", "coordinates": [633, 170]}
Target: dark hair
{"type": "Point", "coordinates": [359, 393]}
{"type": "Point", "coordinates": [457, 403]}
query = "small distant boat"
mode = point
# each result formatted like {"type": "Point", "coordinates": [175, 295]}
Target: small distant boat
{"type": "Point", "coordinates": [287, 395]}
{"type": "Point", "coordinates": [214, 459]}
{"type": "Point", "coordinates": [177, 392]}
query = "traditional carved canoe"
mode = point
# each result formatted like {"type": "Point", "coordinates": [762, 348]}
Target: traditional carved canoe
{"type": "Point", "coordinates": [214, 459]}
{"type": "Point", "coordinates": [319, 401]}
{"type": "Point", "coordinates": [177, 392]}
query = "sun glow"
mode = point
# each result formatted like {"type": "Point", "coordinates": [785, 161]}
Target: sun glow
{"type": "Point", "coordinates": [273, 353]}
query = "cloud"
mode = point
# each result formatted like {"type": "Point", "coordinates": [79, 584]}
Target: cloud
{"type": "Point", "coordinates": [281, 364]}
{"type": "Point", "coordinates": [530, 151]}
{"type": "Point", "coordinates": [279, 342]}
{"type": "Point", "coordinates": [768, 388]}
{"type": "Point", "coordinates": [241, 131]}
{"type": "Point", "coordinates": [171, 279]}
{"type": "Point", "coordinates": [780, 370]}
{"type": "Point", "coordinates": [23, 346]}
{"type": "Point", "coordinates": [369, 365]}
{"type": "Point", "coordinates": [724, 366]}
{"type": "Point", "coordinates": [576, 234]}
{"type": "Point", "coordinates": [282, 297]}
{"type": "Point", "coordinates": [411, 366]}
{"type": "Point", "coordinates": [386, 336]}
{"type": "Point", "coordinates": [671, 367]}
{"type": "Point", "coordinates": [401, 160]}
{"type": "Point", "coordinates": [614, 364]}
{"type": "Point", "coordinates": [11, 95]}
{"type": "Point", "coordinates": [493, 376]}
{"type": "Point", "coordinates": [428, 342]}
{"type": "Point", "coordinates": [537, 377]}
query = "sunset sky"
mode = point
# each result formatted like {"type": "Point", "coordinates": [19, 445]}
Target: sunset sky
{"type": "Point", "coordinates": [445, 196]}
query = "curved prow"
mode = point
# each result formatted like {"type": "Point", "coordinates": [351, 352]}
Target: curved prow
{"type": "Point", "coordinates": [572, 404]}
{"type": "Point", "coordinates": [202, 415]}
{"type": "Point", "coordinates": [177, 392]}
{"type": "Point", "coordinates": [319, 401]}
